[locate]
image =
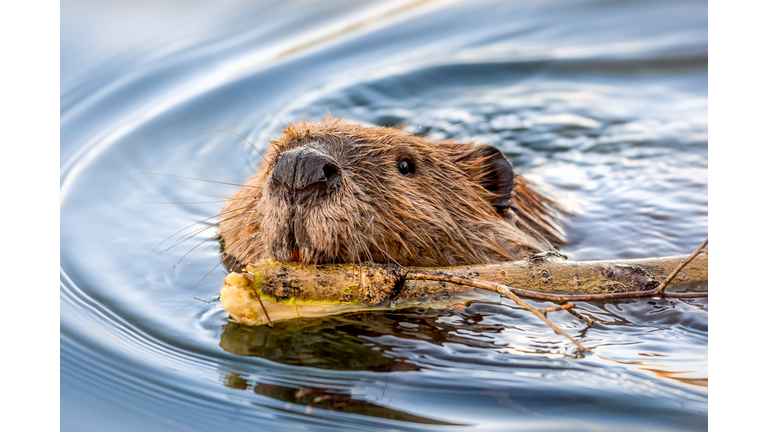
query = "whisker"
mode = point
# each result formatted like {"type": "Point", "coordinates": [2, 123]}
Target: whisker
{"type": "Point", "coordinates": [192, 178]}
{"type": "Point", "coordinates": [190, 236]}
{"type": "Point", "coordinates": [236, 242]}
{"type": "Point", "coordinates": [232, 133]}
{"type": "Point", "coordinates": [434, 117]}
{"type": "Point", "coordinates": [177, 232]}
{"type": "Point", "coordinates": [217, 196]}
{"type": "Point", "coordinates": [373, 242]}
{"type": "Point", "coordinates": [196, 246]}
{"type": "Point", "coordinates": [217, 243]}
{"type": "Point", "coordinates": [212, 245]}
{"type": "Point", "coordinates": [265, 108]}
{"type": "Point", "coordinates": [206, 275]}
{"type": "Point", "coordinates": [201, 230]}
{"type": "Point", "coordinates": [188, 227]}
{"type": "Point", "coordinates": [188, 202]}
{"type": "Point", "coordinates": [215, 216]}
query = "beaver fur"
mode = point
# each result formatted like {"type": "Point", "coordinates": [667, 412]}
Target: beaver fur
{"type": "Point", "coordinates": [338, 192]}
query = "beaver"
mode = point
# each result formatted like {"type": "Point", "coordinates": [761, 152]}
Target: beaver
{"type": "Point", "coordinates": [333, 191]}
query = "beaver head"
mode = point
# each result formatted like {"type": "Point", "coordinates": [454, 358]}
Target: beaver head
{"type": "Point", "coordinates": [338, 192]}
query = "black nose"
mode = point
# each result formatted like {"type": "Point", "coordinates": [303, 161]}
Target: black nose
{"type": "Point", "coordinates": [305, 166]}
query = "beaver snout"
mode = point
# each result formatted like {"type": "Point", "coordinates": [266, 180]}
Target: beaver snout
{"type": "Point", "coordinates": [303, 167]}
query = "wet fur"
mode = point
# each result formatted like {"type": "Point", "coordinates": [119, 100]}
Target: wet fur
{"type": "Point", "coordinates": [442, 215]}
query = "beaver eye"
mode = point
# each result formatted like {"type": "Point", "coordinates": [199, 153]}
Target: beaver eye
{"type": "Point", "coordinates": [406, 168]}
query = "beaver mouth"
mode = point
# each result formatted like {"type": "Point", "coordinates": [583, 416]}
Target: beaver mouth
{"type": "Point", "coordinates": [302, 249]}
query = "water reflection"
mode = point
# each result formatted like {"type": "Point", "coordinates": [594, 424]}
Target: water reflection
{"type": "Point", "coordinates": [412, 339]}
{"type": "Point", "coordinates": [306, 399]}
{"type": "Point", "coordinates": [358, 341]}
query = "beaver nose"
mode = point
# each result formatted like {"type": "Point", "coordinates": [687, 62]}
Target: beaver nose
{"type": "Point", "coordinates": [305, 166]}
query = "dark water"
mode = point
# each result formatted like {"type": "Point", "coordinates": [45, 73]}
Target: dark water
{"type": "Point", "coordinates": [602, 103]}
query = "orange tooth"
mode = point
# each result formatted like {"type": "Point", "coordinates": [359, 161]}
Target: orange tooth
{"type": "Point", "coordinates": [296, 254]}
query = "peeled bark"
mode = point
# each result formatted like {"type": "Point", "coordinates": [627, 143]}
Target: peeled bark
{"type": "Point", "coordinates": [289, 289]}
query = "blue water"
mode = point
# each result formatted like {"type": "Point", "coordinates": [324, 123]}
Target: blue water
{"type": "Point", "coordinates": [602, 103]}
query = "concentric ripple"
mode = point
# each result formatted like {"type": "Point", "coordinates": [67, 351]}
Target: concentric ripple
{"type": "Point", "coordinates": [602, 104]}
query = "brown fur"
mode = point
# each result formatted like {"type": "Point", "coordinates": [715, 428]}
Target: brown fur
{"type": "Point", "coordinates": [442, 215]}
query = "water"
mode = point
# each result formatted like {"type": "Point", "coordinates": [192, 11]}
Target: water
{"type": "Point", "coordinates": [603, 104]}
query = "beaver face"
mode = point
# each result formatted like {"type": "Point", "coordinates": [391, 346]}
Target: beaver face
{"type": "Point", "coordinates": [337, 192]}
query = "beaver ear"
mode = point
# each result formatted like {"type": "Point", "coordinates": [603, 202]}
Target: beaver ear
{"type": "Point", "coordinates": [489, 167]}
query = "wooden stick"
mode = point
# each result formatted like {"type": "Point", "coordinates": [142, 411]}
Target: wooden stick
{"type": "Point", "coordinates": [542, 278]}
{"type": "Point", "coordinates": [286, 290]}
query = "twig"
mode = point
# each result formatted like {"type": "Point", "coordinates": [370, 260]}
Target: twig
{"type": "Point", "coordinates": [206, 301]}
{"type": "Point", "coordinates": [492, 286]}
{"type": "Point", "coordinates": [258, 297]}
{"type": "Point", "coordinates": [580, 316]}
{"type": "Point", "coordinates": [557, 308]}
{"type": "Point", "coordinates": [561, 298]}
{"type": "Point", "coordinates": [558, 298]}
{"type": "Point", "coordinates": [660, 289]}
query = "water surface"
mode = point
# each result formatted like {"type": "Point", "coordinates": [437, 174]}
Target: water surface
{"type": "Point", "coordinates": [602, 104]}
